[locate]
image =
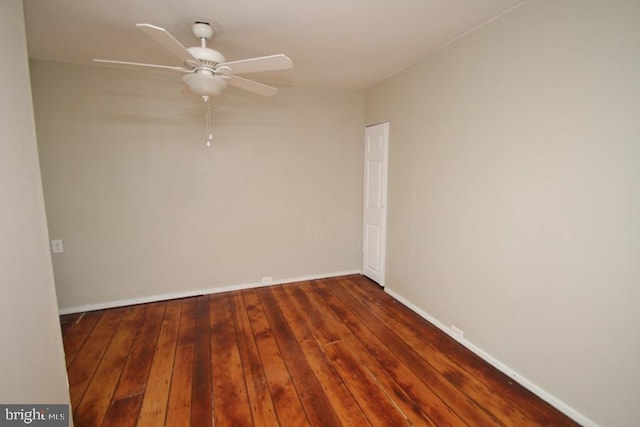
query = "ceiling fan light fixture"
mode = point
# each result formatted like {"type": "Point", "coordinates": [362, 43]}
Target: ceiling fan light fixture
{"type": "Point", "coordinates": [205, 84]}
{"type": "Point", "coordinates": [208, 73]}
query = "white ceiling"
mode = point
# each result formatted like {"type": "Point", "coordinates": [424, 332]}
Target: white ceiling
{"type": "Point", "coordinates": [349, 44]}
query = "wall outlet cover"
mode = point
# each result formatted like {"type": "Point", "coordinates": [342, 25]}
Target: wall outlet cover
{"type": "Point", "coordinates": [57, 246]}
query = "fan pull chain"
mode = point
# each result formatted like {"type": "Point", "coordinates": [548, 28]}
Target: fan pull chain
{"type": "Point", "coordinates": [207, 113]}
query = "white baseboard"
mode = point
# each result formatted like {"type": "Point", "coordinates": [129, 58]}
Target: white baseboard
{"type": "Point", "coordinates": [186, 294]}
{"type": "Point", "coordinates": [531, 386]}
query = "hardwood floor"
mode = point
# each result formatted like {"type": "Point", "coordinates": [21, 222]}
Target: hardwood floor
{"type": "Point", "coordinates": [324, 353]}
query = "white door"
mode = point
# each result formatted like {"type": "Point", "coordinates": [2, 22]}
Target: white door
{"type": "Point", "coordinates": [376, 153]}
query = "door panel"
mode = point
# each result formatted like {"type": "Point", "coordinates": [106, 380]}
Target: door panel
{"type": "Point", "coordinates": [376, 148]}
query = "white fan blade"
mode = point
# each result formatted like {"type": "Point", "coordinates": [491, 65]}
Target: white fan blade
{"type": "Point", "coordinates": [165, 38]}
{"type": "Point", "coordinates": [250, 85]}
{"type": "Point", "coordinates": [262, 63]}
{"type": "Point", "coordinates": [140, 64]}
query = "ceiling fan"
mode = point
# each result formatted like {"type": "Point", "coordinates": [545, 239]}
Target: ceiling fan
{"type": "Point", "coordinates": [206, 71]}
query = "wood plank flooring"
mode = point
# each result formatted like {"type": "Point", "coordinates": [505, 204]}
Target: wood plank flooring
{"type": "Point", "coordinates": [328, 352]}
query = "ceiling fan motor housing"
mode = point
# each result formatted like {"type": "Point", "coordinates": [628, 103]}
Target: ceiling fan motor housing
{"type": "Point", "coordinates": [206, 55]}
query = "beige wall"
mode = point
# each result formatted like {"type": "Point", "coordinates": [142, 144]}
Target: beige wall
{"type": "Point", "coordinates": [514, 199]}
{"type": "Point", "coordinates": [145, 209]}
{"type": "Point", "coordinates": [32, 368]}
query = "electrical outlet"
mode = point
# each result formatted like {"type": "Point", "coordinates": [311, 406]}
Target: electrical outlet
{"type": "Point", "coordinates": [457, 333]}
{"type": "Point", "coordinates": [57, 247]}
{"type": "Point", "coordinates": [267, 280]}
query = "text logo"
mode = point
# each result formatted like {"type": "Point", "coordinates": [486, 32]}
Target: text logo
{"type": "Point", "coordinates": [34, 415]}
